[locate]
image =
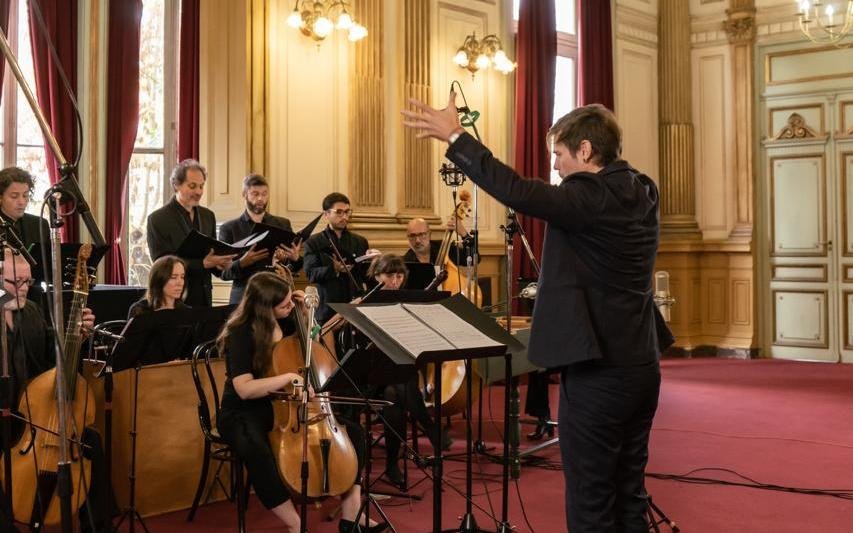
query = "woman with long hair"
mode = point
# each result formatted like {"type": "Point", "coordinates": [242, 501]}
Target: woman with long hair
{"type": "Point", "coordinates": [246, 414]}
{"type": "Point", "coordinates": [166, 284]}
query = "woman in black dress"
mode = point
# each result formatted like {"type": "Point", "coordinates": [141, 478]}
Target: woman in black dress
{"type": "Point", "coordinates": [246, 414]}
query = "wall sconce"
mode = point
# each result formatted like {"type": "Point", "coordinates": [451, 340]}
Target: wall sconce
{"type": "Point", "coordinates": [475, 55]}
{"type": "Point", "coordinates": [314, 19]}
{"type": "Point", "coordinates": [830, 23]}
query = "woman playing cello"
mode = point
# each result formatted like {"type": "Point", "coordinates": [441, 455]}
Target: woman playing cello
{"type": "Point", "coordinates": [246, 416]}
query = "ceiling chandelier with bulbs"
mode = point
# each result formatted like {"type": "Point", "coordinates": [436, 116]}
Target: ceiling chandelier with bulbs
{"type": "Point", "coordinates": [488, 51]}
{"type": "Point", "coordinates": [825, 22]}
{"type": "Point", "coordinates": [314, 19]}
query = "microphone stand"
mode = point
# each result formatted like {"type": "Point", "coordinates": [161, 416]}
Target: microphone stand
{"type": "Point", "coordinates": [69, 184]}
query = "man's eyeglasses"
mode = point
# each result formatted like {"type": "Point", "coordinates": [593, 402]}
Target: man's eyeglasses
{"type": "Point", "coordinates": [421, 235]}
{"type": "Point", "coordinates": [18, 283]}
{"type": "Point", "coordinates": [340, 212]}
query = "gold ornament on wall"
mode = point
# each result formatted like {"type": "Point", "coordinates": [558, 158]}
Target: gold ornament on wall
{"type": "Point", "coordinates": [481, 54]}
{"type": "Point", "coordinates": [795, 129]}
{"type": "Point", "coordinates": [314, 19]}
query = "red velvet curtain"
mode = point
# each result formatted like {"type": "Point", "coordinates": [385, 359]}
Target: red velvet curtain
{"type": "Point", "coordinates": [125, 18]}
{"type": "Point", "coordinates": [595, 53]}
{"type": "Point", "coordinates": [60, 19]}
{"type": "Point", "coordinates": [536, 52]}
{"type": "Point", "coordinates": [4, 24]}
{"type": "Point", "coordinates": [189, 74]}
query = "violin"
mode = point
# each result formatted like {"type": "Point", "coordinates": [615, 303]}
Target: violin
{"type": "Point", "coordinates": [328, 441]}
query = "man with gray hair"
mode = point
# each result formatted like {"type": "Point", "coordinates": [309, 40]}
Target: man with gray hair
{"type": "Point", "coordinates": [169, 225]}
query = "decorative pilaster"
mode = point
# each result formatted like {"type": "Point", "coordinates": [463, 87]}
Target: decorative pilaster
{"type": "Point", "coordinates": [257, 25]}
{"type": "Point", "coordinates": [740, 28]}
{"type": "Point", "coordinates": [418, 169]}
{"type": "Point", "coordinates": [367, 117]}
{"type": "Point", "coordinates": [678, 201]}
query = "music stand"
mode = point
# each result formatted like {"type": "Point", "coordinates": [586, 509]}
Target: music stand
{"type": "Point", "coordinates": [420, 275]}
{"type": "Point", "coordinates": [149, 339]}
{"type": "Point", "coordinates": [466, 313]}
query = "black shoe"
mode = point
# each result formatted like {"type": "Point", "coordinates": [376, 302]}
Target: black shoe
{"type": "Point", "coordinates": [394, 476]}
{"type": "Point", "coordinates": [542, 427]}
{"type": "Point", "coordinates": [378, 528]}
{"type": "Point", "coordinates": [348, 526]}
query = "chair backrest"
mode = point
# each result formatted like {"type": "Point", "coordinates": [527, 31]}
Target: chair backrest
{"type": "Point", "coordinates": [202, 356]}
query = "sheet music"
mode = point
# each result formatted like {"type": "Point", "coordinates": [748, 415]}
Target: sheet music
{"type": "Point", "coordinates": [447, 324]}
{"type": "Point", "coordinates": [414, 336]}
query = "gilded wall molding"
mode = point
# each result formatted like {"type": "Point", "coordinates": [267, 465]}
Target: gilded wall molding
{"type": "Point", "coordinates": [796, 128]}
{"type": "Point", "coordinates": [367, 116]}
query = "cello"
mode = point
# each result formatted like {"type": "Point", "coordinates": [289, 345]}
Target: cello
{"type": "Point", "coordinates": [454, 394]}
{"type": "Point", "coordinates": [36, 456]}
{"type": "Point", "coordinates": [328, 441]}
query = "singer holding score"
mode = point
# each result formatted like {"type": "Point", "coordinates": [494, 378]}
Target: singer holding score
{"type": "Point", "coordinates": [594, 318]}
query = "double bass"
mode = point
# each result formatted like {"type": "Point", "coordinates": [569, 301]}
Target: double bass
{"type": "Point", "coordinates": [328, 441]}
{"type": "Point", "coordinates": [454, 394]}
{"type": "Point", "coordinates": [36, 456]}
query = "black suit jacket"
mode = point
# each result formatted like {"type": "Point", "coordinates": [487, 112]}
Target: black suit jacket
{"type": "Point", "coordinates": [27, 230]}
{"type": "Point", "coordinates": [595, 291]}
{"type": "Point", "coordinates": [239, 228]}
{"type": "Point", "coordinates": [321, 271]}
{"type": "Point", "coordinates": [167, 228]}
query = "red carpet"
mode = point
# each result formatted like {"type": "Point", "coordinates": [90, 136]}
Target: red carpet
{"type": "Point", "coordinates": [783, 423]}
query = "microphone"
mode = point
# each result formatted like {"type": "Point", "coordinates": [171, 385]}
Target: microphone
{"type": "Point", "coordinates": [662, 297]}
{"type": "Point", "coordinates": [312, 297]}
{"type": "Point", "coordinates": [107, 334]}
{"type": "Point", "coordinates": [529, 291]}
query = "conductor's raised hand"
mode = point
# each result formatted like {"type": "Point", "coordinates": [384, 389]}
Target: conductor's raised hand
{"type": "Point", "coordinates": [429, 122]}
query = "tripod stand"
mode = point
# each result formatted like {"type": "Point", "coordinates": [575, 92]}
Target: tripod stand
{"type": "Point", "coordinates": [656, 517]}
{"type": "Point", "coordinates": [130, 513]}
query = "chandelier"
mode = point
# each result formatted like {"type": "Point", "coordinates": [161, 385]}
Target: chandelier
{"type": "Point", "coordinates": [314, 19]}
{"type": "Point", "coordinates": [825, 22]}
{"type": "Point", "coordinates": [475, 55]}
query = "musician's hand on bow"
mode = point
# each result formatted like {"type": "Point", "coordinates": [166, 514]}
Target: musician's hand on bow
{"type": "Point", "coordinates": [430, 122]}
{"type": "Point", "coordinates": [252, 256]}
{"type": "Point", "coordinates": [340, 266]}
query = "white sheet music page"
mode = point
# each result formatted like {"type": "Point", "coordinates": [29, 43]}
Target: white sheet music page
{"type": "Point", "coordinates": [444, 321]}
{"type": "Point", "coordinates": [414, 336]}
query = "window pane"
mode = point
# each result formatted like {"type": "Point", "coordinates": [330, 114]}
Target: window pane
{"type": "Point", "coordinates": [151, 74]}
{"type": "Point", "coordinates": [565, 97]}
{"type": "Point", "coordinates": [565, 11]}
{"type": "Point", "coordinates": [145, 194]}
{"type": "Point", "coordinates": [31, 159]}
{"type": "Point", "coordinates": [27, 128]}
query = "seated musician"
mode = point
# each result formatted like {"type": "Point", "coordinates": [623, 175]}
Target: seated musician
{"type": "Point", "coordinates": [246, 416]}
{"type": "Point", "coordinates": [32, 352]}
{"type": "Point", "coordinates": [424, 250]}
{"type": "Point", "coordinates": [166, 282]}
{"type": "Point", "coordinates": [390, 269]}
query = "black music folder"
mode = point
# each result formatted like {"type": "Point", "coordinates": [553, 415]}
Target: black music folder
{"type": "Point", "coordinates": [197, 245]}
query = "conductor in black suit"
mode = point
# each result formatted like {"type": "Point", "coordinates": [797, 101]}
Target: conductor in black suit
{"type": "Point", "coordinates": [169, 225]}
{"type": "Point", "coordinates": [595, 318]}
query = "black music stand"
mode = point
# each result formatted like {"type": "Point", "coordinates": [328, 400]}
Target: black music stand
{"type": "Point", "coordinates": [466, 312]}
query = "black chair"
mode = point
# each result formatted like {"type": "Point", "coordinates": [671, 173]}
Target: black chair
{"type": "Point", "coordinates": [214, 447]}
